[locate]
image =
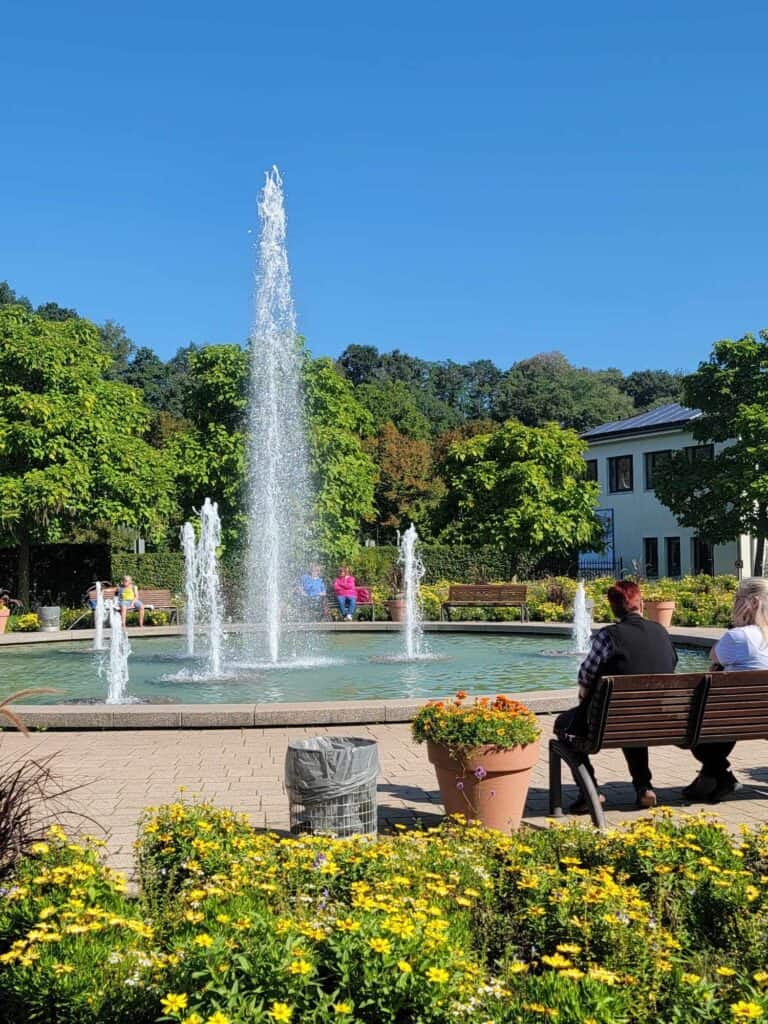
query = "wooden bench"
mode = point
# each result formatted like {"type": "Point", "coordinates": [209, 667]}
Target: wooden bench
{"type": "Point", "coordinates": [679, 710]}
{"type": "Point", "coordinates": [486, 595]}
{"type": "Point", "coordinates": [161, 600]}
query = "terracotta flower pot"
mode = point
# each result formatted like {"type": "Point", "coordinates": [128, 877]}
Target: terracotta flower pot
{"type": "Point", "coordinates": [396, 609]}
{"type": "Point", "coordinates": [659, 611]}
{"type": "Point", "coordinates": [4, 616]}
{"type": "Point", "coordinates": [489, 786]}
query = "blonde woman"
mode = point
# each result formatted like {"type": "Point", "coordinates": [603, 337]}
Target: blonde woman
{"type": "Point", "coordinates": [741, 649]}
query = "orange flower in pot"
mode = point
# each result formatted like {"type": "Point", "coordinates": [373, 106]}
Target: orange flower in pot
{"type": "Point", "coordinates": [483, 752]}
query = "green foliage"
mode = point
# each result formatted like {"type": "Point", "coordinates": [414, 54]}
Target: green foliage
{"type": "Point", "coordinates": [727, 495]}
{"type": "Point", "coordinates": [158, 569]}
{"type": "Point", "coordinates": [660, 920]}
{"type": "Point", "coordinates": [522, 489]}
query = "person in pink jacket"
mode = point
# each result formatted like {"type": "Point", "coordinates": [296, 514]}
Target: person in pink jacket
{"type": "Point", "coordinates": [346, 593]}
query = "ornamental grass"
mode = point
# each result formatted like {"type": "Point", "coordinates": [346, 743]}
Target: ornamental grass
{"type": "Point", "coordinates": [459, 726]}
{"type": "Point", "coordinates": [665, 920]}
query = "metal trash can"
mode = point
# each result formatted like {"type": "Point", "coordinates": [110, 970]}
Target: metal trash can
{"type": "Point", "coordinates": [50, 618]}
{"type": "Point", "coordinates": [331, 785]}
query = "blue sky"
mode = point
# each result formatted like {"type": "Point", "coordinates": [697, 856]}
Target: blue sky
{"type": "Point", "coordinates": [463, 180]}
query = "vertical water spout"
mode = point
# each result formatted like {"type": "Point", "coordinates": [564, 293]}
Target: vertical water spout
{"type": "Point", "coordinates": [190, 583]}
{"type": "Point", "coordinates": [99, 613]}
{"type": "Point", "coordinates": [582, 621]}
{"type": "Point", "coordinates": [209, 582]}
{"type": "Point", "coordinates": [413, 572]}
{"type": "Point", "coordinates": [117, 666]}
{"type": "Point", "coordinates": [278, 476]}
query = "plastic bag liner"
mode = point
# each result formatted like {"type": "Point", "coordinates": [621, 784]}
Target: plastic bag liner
{"type": "Point", "coordinates": [325, 767]}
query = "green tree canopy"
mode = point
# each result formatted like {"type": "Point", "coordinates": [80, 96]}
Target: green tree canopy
{"type": "Point", "coordinates": [726, 495]}
{"type": "Point", "coordinates": [522, 489]}
{"type": "Point", "coordinates": [72, 448]}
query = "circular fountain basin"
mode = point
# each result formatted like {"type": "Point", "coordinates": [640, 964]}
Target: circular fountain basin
{"type": "Point", "coordinates": [340, 667]}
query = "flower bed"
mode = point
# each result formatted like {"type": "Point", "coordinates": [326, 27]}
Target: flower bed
{"type": "Point", "coordinates": [665, 920]}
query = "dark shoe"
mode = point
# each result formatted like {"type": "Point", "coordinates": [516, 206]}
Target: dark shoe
{"type": "Point", "coordinates": [702, 788]}
{"type": "Point", "coordinates": [646, 799]}
{"type": "Point", "coordinates": [582, 806]}
{"type": "Point", "coordinates": [724, 787]}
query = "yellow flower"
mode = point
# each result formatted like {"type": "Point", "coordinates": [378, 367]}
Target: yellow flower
{"type": "Point", "coordinates": [342, 1009]}
{"type": "Point", "coordinates": [281, 1012]}
{"type": "Point", "coordinates": [690, 979]}
{"type": "Point", "coordinates": [746, 1011]}
{"type": "Point", "coordinates": [300, 967]}
{"type": "Point", "coordinates": [437, 975]}
{"type": "Point", "coordinates": [571, 972]}
{"type": "Point", "coordinates": [203, 940]}
{"type": "Point", "coordinates": [556, 960]}
{"type": "Point", "coordinates": [725, 972]}
{"type": "Point", "coordinates": [217, 1018]}
{"type": "Point", "coordinates": [63, 968]}
{"type": "Point", "coordinates": [761, 977]}
{"type": "Point", "coordinates": [193, 1018]}
{"type": "Point", "coordinates": [568, 947]}
{"type": "Point", "coordinates": [379, 945]}
{"type": "Point", "coordinates": [174, 1002]}
{"type": "Point", "coordinates": [405, 967]}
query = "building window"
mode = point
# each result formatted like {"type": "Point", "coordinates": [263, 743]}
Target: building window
{"type": "Point", "coordinates": [591, 469]}
{"type": "Point", "coordinates": [674, 567]}
{"type": "Point", "coordinates": [651, 556]}
{"type": "Point", "coordinates": [652, 461]}
{"type": "Point", "coordinates": [620, 474]}
{"type": "Point", "coordinates": [703, 557]}
{"type": "Point", "coordinates": [695, 452]}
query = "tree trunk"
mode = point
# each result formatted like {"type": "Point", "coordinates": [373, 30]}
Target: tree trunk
{"type": "Point", "coordinates": [23, 564]}
{"type": "Point", "coordinates": [759, 555]}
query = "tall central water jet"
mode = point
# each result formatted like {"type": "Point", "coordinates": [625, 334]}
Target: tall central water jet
{"type": "Point", "coordinates": [209, 583]}
{"type": "Point", "coordinates": [189, 547]}
{"type": "Point", "coordinates": [413, 572]}
{"type": "Point", "coordinates": [581, 630]}
{"type": "Point", "coordinates": [278, 475]}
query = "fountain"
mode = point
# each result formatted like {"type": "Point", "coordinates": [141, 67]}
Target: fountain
{"type": "Point", "coordinates": [189, 548]}
{"type": "Point", "coordinates": [279, 493]}
{"type": "Point", "coordinates": [117, 665]}
{"type": "Point", "coordinates": [582, 621]}
{"type": "Point", "coordinates": [208, 583]}
{"type": "Point", "coordinates": [413, 572]}
{"type": "Point", "coordinates": [99, 614]}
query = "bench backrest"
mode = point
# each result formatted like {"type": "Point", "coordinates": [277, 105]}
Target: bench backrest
{"type": "Point", "coordinates": [514, 593]}
{"type": "Point", "coordinates": [680, 709]}
{"type": "Point", "coordinates": [736, 708]}
{"type": "Point", "coordinates": [647, 711]}
{"type": "Point", "coordinates": [159, 598]}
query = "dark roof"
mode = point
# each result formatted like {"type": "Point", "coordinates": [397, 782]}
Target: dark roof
{"type": "Point", "coordinates": [672, 415]}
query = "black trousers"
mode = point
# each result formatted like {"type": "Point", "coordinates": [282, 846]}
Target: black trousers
{"type": "Point", "coordinates": [714, 759]}
{"type": "Point", "coordinates": [570, 725]}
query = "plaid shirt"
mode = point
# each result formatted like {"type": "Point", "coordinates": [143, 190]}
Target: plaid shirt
{"type": "Point", "coordinates": [599, 653]}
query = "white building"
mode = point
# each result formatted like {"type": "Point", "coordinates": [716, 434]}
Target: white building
{"type": "Point", "coordinates": [641, 532]}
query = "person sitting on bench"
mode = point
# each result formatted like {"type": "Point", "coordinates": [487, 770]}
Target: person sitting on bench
{"type": "Point", "coordinates": [90, 594]}
{"type": "Point", "coordinates": [128, 600]}
{"type": "Point", "coordinates": [743, 648]}
{"type": "Point", "coordinates": [631, 646]}
{"type": "Point", "coordinates": [312, 591]}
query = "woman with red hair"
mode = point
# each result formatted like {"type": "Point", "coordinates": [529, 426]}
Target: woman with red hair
{"type": "Point", "coordinates": [631, 646]}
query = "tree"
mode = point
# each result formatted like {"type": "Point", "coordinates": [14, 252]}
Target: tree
{"type": "Point", "coordinates": [726, 495]}
{"type": "Point", "coordinates": [647, 388]}
{"type": "Point", "coordinates": [8, 297]}
{"type": "Point", "coordinates": [72, 451]}
{"type": "Point", "coordinates": [53, 311]}
{"type": "Point", "coordinates": [407, 490]}
{"type": "Point", "coordinates": [548, 389]}
{"type": "Point", "coordinates": [523, 490]}
{"type": "Point", "coordinates": [393, 402]}
{"type": "Point", "coordinates": [117, 345]}
{"type": "Point", "coordinates": [359, 363]}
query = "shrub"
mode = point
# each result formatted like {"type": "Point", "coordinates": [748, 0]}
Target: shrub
{"type": "Point", "coordinates": [27, 623]}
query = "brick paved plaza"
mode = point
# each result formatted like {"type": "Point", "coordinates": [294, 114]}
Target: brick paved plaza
{"type": "Point", "coordinates": [124, 771]}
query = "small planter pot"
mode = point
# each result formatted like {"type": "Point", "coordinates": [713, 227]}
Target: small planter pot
{"type": "Point", "coordinates": [4, 616]}
{"type": "Point", "coordinates": [659, 611]}
{"type": "Point", "coordinates": [489, 785]}
{"type": "Point", "coordinates": [396, 609]}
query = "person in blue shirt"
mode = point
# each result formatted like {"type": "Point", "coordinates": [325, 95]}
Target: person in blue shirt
{"type": "Point", "coordinates": [312, 589]}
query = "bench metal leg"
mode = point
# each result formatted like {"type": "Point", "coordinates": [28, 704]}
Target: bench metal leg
{"type": "Point", "coordinates": [583, 779]}
{"type": "Point", "coordinates": [555, 782]}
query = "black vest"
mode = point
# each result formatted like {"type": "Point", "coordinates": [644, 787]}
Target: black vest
{"type": "Point", "coordinates": [639, 647]}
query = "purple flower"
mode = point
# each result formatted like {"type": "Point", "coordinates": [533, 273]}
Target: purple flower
{"type": "Point", "coordinates": [459, 785]}
{"type": "Point", "coordinates": [480, 773]}
{"type": "Point", "coordinates": [320, 859]}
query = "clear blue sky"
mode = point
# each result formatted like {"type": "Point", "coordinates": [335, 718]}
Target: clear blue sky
{"type": "Point", "coordinates": [463, 180]}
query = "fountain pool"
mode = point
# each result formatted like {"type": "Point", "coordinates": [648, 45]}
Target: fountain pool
{"type": "Point", "coordinates": [342, 667]}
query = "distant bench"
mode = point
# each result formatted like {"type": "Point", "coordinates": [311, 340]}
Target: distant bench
{"type": "Point", "coordinates": [160, 600]}
{"type": "Point", "coordinates": [680, 710]}
{"type": "Point", "coordinates": [486, 595]}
